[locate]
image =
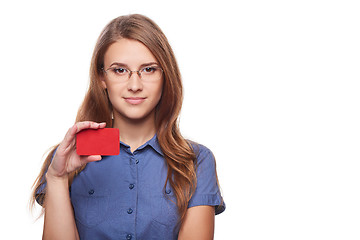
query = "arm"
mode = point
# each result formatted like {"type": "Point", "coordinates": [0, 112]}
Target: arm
{"type": "Point", "coordinates": [199, 221]}
{"type": "Point", "coordinates": [198, 224]}
{"type": "Point", "coordinates": [59, 220]}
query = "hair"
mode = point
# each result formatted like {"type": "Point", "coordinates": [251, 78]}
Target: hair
{"type": "Point", "coordinates": [178, 152]}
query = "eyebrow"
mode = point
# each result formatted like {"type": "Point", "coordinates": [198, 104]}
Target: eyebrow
{"type": "Point", "coordinates": [127, 66]}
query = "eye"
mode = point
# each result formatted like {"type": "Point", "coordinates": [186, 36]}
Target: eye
{"type": "Point", "coordinates": [148, 70]}
{"type": "Point", "coordinates": [119, 70]}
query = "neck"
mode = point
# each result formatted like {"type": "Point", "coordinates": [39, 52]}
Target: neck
{"type": "Point", "coordinates": [135, 132]}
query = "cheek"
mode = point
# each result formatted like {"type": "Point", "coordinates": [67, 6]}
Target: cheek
{"type": "Point", "coordinates": [158, 93]}
{"type": "Point", "coordinates": [115, 92]}
{"type": "Point", "coordinates": [116, 87]}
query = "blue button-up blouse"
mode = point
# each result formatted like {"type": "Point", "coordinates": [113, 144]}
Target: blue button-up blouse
{"type": "Point", "coordinates": [123, 196]}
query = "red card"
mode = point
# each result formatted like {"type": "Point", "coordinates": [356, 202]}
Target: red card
{"type": "Point", "coordinates": [104, 141]}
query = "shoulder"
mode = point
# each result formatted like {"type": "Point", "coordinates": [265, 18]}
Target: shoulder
{"type": "Point", "coordinates": [207, 190]}
{"type": "Point", "coordinates": [203, 154]}
{"type": "Point", "coordinates": [198, 148]}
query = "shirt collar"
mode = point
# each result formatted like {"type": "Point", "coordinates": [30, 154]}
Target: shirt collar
{"type": "Point", "coordinates": [153, 142]}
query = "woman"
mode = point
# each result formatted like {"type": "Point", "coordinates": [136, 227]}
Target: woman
{"type": "Point", "coordinates": [160, 186]}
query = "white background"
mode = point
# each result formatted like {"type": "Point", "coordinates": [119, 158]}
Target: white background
{"type": "Point", "coordinates": [272, 87]}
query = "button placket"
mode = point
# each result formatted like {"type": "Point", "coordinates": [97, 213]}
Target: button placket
{"type": "Point", "coordinates": [131, 185]}
{"type": "Point", "coordinates": [130, 210]}
{"type": "Point", "coordinates": [136, 159]}
{"type": "Point", "coordinates": [133, 160]}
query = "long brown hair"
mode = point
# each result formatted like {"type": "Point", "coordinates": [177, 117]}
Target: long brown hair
{"type": "Point", "coordinates": [178, 152]}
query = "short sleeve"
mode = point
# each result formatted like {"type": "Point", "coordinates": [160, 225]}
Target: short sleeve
{"type": "Point", "coordinates": [207, 191]}
{"type": "Point", "coordinates": [40, 191]}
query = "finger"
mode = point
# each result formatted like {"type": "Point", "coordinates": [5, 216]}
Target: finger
{"type": "Point", "coordinates": [89, 125]}
{"type": "Point", "coordinates": [77, 127]}
{"type": "Point", "coordinates": [69, 142]}
{"type": "Point", "coordinates": [69, 137]}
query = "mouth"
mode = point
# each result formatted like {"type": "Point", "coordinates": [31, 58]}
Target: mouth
{"type": "Point", "coordinates": [134, 100]}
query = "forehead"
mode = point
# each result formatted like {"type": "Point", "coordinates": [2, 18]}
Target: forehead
{"type": "Point", "coordinates": [127, 51]}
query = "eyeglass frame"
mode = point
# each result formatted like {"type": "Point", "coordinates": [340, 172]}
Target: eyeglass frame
{"type": "Point", "coordinates": [131, 72]}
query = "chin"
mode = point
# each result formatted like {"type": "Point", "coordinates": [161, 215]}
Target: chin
{"type": "Point", "coordinates": [136, 116]}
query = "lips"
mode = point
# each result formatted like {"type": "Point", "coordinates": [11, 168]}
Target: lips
{"type": "Point", "coordinates": [134, 100]}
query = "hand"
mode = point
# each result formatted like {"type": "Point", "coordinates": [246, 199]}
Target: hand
{"type": "Point", "coordinates": [66, 160]}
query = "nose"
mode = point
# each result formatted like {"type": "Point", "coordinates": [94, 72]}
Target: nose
{"type": "Point", "coordinates": [135, 84]}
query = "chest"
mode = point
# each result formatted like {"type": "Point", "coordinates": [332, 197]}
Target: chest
{"type": "Point", "coordinates": [124, 195]}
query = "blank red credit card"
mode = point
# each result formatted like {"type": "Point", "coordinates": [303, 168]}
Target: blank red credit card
{"type": "Point", "coordinates": [104, 141]}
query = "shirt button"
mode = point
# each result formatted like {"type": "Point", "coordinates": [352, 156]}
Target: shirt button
{"type": "Point", "coordinates": [131, 186]}
{"type": "Point", "coordinates": [136, 161]}
{"type": "Point", "coordinates": [91, 192]}
{"type": "Point", "coordinates": [128, 237]}
{"type": "Point", "coordinates": [129, 211]}
{"type": "Point", "coordinates": [168, 191]}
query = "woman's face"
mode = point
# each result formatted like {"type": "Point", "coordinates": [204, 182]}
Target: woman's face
{"type": "Point", "coordinates": [133, 98]}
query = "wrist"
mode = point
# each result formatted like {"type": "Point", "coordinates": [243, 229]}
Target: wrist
{"type": "Point", "coordinates": [51, 176]}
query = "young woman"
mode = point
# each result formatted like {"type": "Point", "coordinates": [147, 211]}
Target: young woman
{"type": "Point", "coordinates": [160, 186]}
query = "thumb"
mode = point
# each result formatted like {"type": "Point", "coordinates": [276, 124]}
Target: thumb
{"type": "Point", "coordinates": [91, 158]}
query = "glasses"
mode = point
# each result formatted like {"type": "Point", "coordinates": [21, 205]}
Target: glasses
{"type": "Point", "coordinates": [121, 74]}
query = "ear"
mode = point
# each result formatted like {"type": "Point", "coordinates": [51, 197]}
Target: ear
{"type": "Point", "coordinates": [103, 82]}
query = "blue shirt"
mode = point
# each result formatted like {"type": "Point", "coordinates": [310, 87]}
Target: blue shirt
{"type": "Point", "coordinates": [123, 196]}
